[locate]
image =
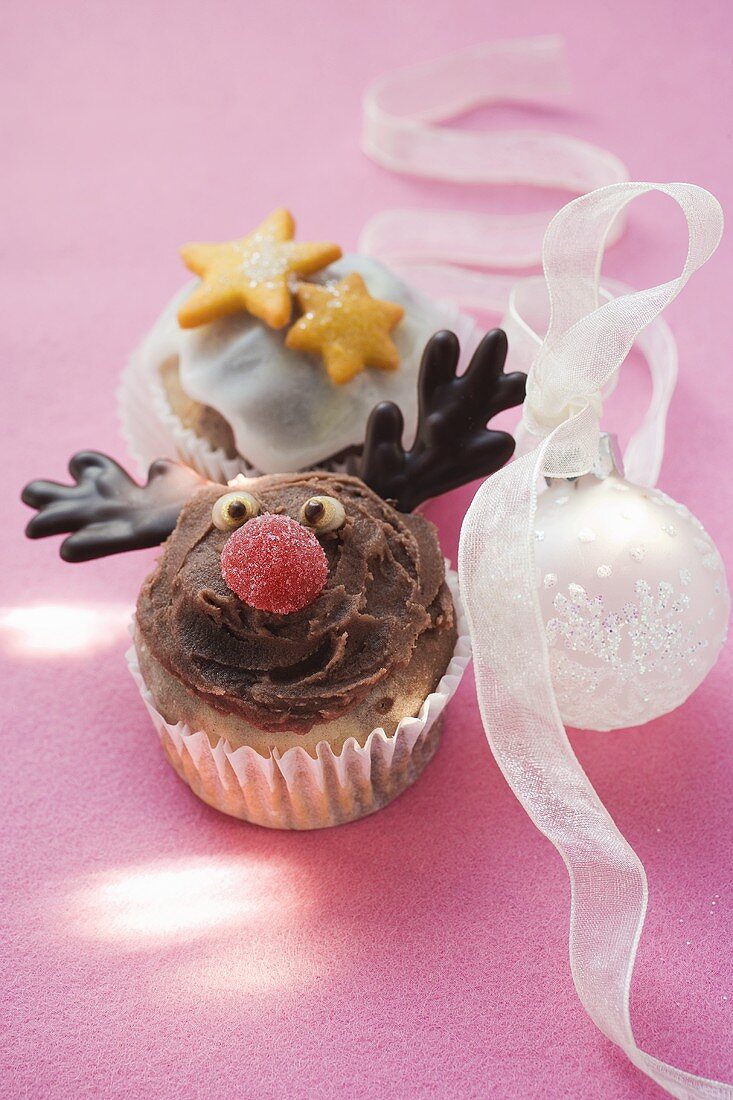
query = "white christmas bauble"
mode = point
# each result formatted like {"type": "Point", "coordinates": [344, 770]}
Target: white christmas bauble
{"type": "Point", "coordinates": [634, 599]}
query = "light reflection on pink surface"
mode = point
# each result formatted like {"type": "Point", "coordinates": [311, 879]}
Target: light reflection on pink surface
{"type": "Point", "coordinates": [57, 630]}
{"type": "Point", "coordinates": [180, 900]}
{"type": "Point", "coordinates": [249, 965]}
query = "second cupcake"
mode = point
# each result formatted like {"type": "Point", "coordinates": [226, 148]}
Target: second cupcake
{"type": "Point", "coordinates": [274, 359]}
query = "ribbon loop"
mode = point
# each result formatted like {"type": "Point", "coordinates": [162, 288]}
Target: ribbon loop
{"type": "Point", "coordinates": [427, 247]}
{"type": "Point", "coordinates": [398, 132]}
{"type": "Point", "coordinates": [588, 339]}
{"type": "Point", "coordinates": [584, 346]}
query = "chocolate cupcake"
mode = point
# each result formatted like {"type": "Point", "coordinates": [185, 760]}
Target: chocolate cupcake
{"type": "Point", "coordinates": [265, 629]}
{"type": "Point", "coordinates": [299, 637]}
{"type": "Point", "coordinates": [230, 385]}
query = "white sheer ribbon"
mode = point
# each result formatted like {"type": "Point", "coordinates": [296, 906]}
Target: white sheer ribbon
{"type": "Point", "coordinates": [400, 132]}
{"type": "Point", "coordinates": [577, 364]}
{"type": "Point", "coordinates": [585, 344]}
{"type": "Point", "coordinates": [525, 319]}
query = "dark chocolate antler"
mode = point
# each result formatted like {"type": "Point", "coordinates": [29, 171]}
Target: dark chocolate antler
{"type": "Point", "coordinates": [105, 509]}
{"type": "Point", "coordinates": [452, 444]}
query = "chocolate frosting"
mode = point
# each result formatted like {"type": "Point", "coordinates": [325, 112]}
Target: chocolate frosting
{"type": "Point", "coordinates": [385, 588]}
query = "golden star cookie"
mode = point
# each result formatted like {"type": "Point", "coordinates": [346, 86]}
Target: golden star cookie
{"type": "Point", "coordinates": [252, 273]}
{"type": "Point", "coordinates": [347, 327]}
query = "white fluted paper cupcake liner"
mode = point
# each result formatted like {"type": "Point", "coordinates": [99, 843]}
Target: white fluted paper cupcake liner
{"type": "Point", "coordinates": [152, 430]}
{"type": "Point", "coordinates": [293, 790]}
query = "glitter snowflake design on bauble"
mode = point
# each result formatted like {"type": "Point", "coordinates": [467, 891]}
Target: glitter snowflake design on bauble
{"type": "Point", "coordinates": [642, 644]}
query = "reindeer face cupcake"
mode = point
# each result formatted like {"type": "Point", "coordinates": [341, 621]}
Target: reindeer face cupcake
{"type": "Point", "coordinates": [295, 610]}
{"type": "Point", "coordinates": [298, 638]}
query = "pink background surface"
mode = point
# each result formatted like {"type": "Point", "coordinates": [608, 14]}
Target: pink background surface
{"type": "Point", "coordinates": [153, 947]}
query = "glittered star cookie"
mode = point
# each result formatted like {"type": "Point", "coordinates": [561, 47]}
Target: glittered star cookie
{"type": "Point", "coordinates": [252, 274]}
{"type": "Point", "coordinates": [347, 327]}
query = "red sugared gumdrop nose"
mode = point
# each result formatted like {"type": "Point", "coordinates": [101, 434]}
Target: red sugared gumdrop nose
{"type": "Point", "coordinates": [275, 564]}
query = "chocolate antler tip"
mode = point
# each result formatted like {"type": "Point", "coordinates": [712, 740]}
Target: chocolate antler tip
{"type": "Point", "coordinates": [453, 444]}
{"type": "Point", "coordinates": [444, 337]}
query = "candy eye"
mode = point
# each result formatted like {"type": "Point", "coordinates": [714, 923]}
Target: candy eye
{"type": "Point", "coordinates": [323, 514]}
{"type": "Point", "coordinates": [234, 509]}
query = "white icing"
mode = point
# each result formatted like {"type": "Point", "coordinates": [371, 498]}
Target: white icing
{"type": "Point", "coordinates": [283, 409]}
